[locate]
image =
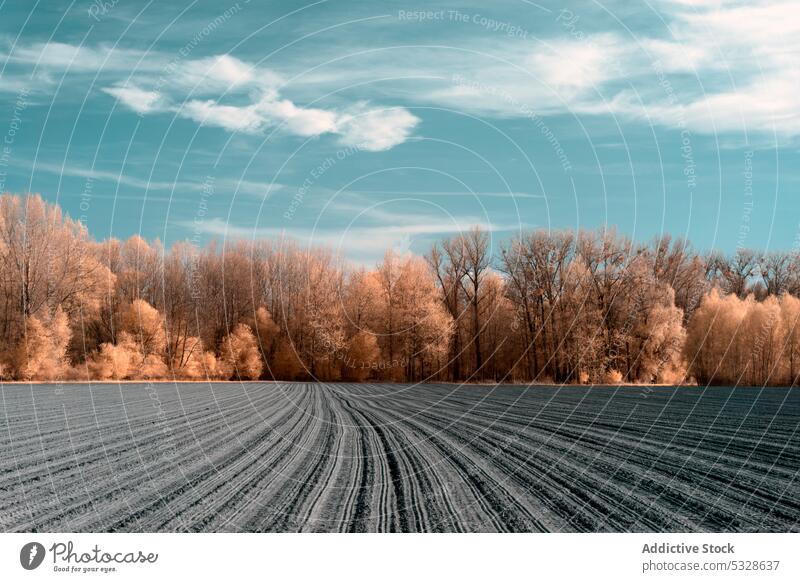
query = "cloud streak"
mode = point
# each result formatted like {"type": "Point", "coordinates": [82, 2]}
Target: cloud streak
{"type": "Point", "coordinates": [113, 177]}
{"type": "Point", "coordinates": [363, 243]}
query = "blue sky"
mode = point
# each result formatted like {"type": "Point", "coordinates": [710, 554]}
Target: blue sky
{"type": "Point", "coordinates": [364, 125]}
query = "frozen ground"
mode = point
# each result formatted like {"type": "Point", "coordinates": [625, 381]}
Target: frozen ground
{"type": "Point", "coordinates": [302, 457]}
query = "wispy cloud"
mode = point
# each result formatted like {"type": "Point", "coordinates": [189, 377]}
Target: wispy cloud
{"type": "Point", "coordinates": [113, 177]}
{"type": "Point", "coordinates": [361, 243]}
{"type": "Point", "coordinates": [756, 44]}
{"type": "Point", "coordinates": [62, 56]}
{"type": "Point", "coordinates": [731, 67]}
{"type": "Point", "coordinates": [716, 67]}
{"type": "Point", "coordinates": [449, 194]}
{"type": "Point", "coordinates": [249, 187]}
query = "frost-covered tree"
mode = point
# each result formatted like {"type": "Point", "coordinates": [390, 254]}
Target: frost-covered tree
{"type": "Point", "coordinates": [41, 352]}
{"type": "Point", "coordinates": [48, 265]}
{"type": "Point", "coordinates": [591, 306]}
{"type": "Point", "coordinates": [240, 354]}
{"type": "Point", "coordinates": [413, 327]}
{"type": "Point", "coordinates": [790, 359]}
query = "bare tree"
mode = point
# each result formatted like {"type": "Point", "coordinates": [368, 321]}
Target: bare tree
{"type": "Point", "coordinates": [475, 245]}
{"type": "Point", "coordinates": [447, 263]}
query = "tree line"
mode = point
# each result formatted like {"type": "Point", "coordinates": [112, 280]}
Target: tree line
{"type": "Point", "coordinates": [557, 306]}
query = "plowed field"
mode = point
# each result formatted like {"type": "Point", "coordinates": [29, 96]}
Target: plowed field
{"type": "Point", "coordinates": [373, 457]}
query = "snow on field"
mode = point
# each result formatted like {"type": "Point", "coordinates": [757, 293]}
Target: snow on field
{"type": "Point", "coordinates": [304, 457]}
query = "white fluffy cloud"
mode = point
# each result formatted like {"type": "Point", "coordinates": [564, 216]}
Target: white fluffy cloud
{"type": "Point", "coordinates": [732, 68]}
{"type": "Point", "coordinates": [372, 129]}
{"type": "Point", "coordinates": [299, 120]}
{"type": "Point", "coordinates": [137, 99]}
{"type": "Point", "coordinates": [221, 73]}
{"type": "Point", "coordinates": [772, 105]}
{"type": "Point", "coordinates": [756, 44]}
{"type": "Point", "coordinates": [678, 57]}
{"type": "Point", "coordinates": [232, 118]}
{"type": "Point", "coordinates": [376, 129]}
{"type": "Point", "coordinates": [572, 67]}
